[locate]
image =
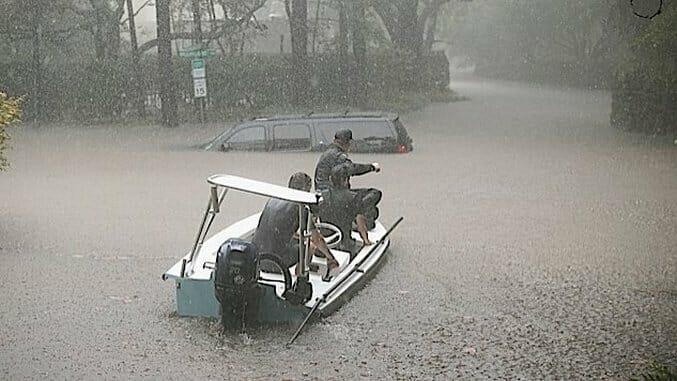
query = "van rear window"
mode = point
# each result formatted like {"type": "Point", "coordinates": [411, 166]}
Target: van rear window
{"type": "Point", "coordinates": [362, 129]}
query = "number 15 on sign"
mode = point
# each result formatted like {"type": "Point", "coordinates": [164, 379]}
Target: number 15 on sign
{"type": "Point", "coordinates": [200, 87]}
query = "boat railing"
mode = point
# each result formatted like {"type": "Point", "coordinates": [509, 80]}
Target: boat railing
{"type": "Point", "coordinates": [213, 208]}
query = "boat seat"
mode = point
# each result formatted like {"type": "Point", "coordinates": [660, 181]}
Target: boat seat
{"type": "Point", "coordinates": [342, 257]}
{"type": "Point", "coordinates": [320, 266]}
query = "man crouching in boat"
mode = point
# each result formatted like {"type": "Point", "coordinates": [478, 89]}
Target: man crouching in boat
{"type": "Point", "coordinates": [344, 207]}
{"type": "Point", "coordinates": [278, 225]}
{"type": "Point", "coordinates": [337, 154]}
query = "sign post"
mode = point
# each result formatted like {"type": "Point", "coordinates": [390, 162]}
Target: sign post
{"type": "Point", "coordinates": [199, 84]}
{"type": "Point", "coordinates": [197, 53]}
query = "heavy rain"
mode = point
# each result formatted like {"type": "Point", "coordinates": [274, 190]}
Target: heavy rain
{"type": "Point", "coordinates": [538, 190]}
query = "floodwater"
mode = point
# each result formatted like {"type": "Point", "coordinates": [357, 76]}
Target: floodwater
{"type": "Point", "coordinates": [538, 243]}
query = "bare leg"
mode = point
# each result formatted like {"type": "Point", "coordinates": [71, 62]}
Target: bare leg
{"type": "Point", "coordinates": [310, 253]}
{"type": "Point", "coordinates": [362, 229]}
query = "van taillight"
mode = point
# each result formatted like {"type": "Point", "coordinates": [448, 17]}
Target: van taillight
{"type": "Point", "coordinates": [401, 148]}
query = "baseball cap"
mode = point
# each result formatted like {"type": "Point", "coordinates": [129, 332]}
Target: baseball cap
{"type": "Point", "coordinates": [344, 135]}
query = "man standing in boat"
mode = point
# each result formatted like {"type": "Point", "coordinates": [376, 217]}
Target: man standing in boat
{"type": "Point", "coordinates": [337, 154]}
{"type": "Point", "coordinates": [278, 225]}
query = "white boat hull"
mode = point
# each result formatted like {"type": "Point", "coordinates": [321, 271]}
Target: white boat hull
{"type": "Point", "coordinates": [195, 288]}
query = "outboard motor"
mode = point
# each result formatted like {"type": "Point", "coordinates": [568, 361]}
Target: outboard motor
{"type": "Point", "coordinates": [235, 285]}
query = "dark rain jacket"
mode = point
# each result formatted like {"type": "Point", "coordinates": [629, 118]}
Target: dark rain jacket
{"type": "Point", "coordinates": [277, 224]}
{"type": "Point", "coordinates": [332, 157]}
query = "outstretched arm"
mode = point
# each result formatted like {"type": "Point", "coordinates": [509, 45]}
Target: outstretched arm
{"type": "Point", "coordinates": [357, 169]}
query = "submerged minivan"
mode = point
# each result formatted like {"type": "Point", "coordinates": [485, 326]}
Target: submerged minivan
{"type": "Point", "coordinates": [372, 132]}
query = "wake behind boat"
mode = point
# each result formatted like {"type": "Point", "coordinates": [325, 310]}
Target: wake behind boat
{"type": "Point", "coordinates": [225, 276]}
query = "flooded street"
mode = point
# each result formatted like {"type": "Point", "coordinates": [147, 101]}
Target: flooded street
{"type": "Point", "coordinates": [538, 243]}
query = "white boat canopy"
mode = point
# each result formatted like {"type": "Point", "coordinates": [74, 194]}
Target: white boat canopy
{"type": "Point", "coordinates": [264, 189]}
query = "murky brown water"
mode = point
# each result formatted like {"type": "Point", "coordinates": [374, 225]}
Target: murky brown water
{"type": "Point", "coordinates": [538, 243]}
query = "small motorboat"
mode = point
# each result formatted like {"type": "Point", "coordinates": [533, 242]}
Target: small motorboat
{"type": "Point", "coordinates": [224, 275]}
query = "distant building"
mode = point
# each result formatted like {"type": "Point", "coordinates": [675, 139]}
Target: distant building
{"type": "Point", "coordinates": [274, 38]}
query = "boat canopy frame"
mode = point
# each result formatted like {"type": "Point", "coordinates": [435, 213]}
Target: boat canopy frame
{"type": "Point", "coordinates": [219, 186]}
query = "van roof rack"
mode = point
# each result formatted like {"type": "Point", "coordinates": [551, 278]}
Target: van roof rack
{"type": "Point", "coordinates": [329, 115]}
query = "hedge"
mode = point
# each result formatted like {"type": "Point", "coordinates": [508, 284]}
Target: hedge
{"type": "Point", "coordinates": [641, 104]}
{"type": "Point", "coordinates": [98, 90]}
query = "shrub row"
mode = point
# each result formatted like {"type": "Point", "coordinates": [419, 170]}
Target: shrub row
{"type": "Point", "coordinates": [642, 104]}
{"type": "Point", "coordinates": [105, 90]}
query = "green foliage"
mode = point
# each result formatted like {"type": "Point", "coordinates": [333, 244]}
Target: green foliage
{"type": "Point", "coordinates": [264, 80]}
{"type": "Point", "coordinates": [256, 79]}
{"type": "Point", "coordinates": [10, 109]}
{"type": "Point", "coordinates": [656, 51]}
{"type": "Point", "coordinates": [89, 90]}
{"type": "Point", "coordinates": [645, 90]}
{"type": "Point", "coordinates": [100, 90]}
{"type": "Point", "coordinates": [658, 373]}
{"type": "Point", "coordinates": [10, 112]}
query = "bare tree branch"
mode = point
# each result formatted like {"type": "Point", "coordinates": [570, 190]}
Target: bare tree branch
{"type": "Point", "coordinates": [137, 11]}
{"type": "Point", "coordinates": [212, 35]}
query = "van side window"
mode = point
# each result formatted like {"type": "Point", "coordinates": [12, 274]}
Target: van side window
{"type": "Point", "coordinates": [249, 138]}
{"type": "Point", "coordinates": [291, 137]}
{"type": "Point", "coordinates": [372, 129]}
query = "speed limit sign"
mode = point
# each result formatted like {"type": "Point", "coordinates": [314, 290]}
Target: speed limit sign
{"type": "Point", "coordinates": [200, 87]}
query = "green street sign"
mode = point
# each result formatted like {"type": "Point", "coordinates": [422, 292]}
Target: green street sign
{"type": "Point", "coordinates": [195, 48]}
{"type": "Point", "coordinates": [197, 51]}
{"type": "Point", "coordinates": [197, 64]}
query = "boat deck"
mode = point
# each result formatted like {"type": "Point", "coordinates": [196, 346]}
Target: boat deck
{"type": "Point", "coordinates": [320, 286]}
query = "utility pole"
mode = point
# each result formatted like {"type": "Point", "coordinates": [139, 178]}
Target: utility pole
{"type": "Point", "coordinates": [167, 95]}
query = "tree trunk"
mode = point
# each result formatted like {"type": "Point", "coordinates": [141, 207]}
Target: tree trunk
{"type": "Point", "coordinates": [197, 21]}
{"type": "Point", "coordinates": [113, 37]}
{"type": "Point", "coordinates": [99, 47]}
{"type": "Point", "coordinates": [343, 30]}
{"type": "Point", "coordinates": [411, 37]}
{"type": "Point", "coordinates": [343, 66]}
{"type": "Point", "coordinates": [430, 33]}
{"type": "Point", "coordinates": [359, 83]}
{"type": "Point", "coordinates": [37, 59]}
{"type": "Point", "coordinates": [137, 90]}
{"type": "Point", "coordinates": [106, 31]}
{"type": "Point", "coordinates": [427, 23]}
{"type": "Point", "coordinates": [316, 25]}
{"type": "Point", "coordinates": [298, 23]}
{"type": "Point", "coordinates": [167, 96]}
{"type": "Point", "coordinates": [197, 29]}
